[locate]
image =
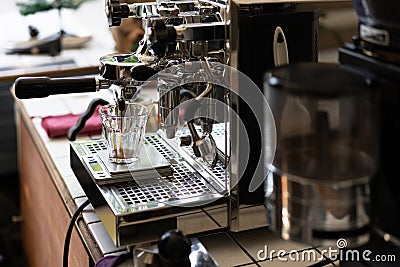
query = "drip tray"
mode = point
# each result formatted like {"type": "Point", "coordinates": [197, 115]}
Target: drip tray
{"type": "Point", "coordinates": [137, 208]}
{"type": "Point", "coordinates": [182, 187]}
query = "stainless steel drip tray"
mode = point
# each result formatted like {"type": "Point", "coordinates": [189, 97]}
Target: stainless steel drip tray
{"type": "Point", "coordinates": [179, 191]}
{"type": "Point", "coordinates": [134, 210]}
{"type": "Point", "coordinates": [184, 188]}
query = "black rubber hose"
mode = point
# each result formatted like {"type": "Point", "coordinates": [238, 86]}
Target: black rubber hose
{"type": "Point", "coordinates": [67, 240]}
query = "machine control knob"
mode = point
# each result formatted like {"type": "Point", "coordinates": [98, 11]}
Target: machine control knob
{"type": "Point", "coordinates": [161, 35]}
{"type": "Point", "coordinates": [116, 11]}
{"type": "Point", "coordinates": [186, 140]}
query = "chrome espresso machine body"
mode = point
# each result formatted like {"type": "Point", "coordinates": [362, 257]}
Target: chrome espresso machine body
{"type": "Point", "coordinates": [203, 53]}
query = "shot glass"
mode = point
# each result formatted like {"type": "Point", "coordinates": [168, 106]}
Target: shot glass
{"type": "Point", "coordinates": [123, 131]}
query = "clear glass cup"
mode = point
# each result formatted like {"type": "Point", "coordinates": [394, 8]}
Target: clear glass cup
{"type": "Point", "coordinates": [124, 130]}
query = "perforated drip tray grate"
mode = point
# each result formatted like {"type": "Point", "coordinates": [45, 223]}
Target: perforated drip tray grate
{"type": "Point", "coordinates": [185, 186]}
{"type": "Point", "coordinates": [171, 190]}
{"type": "Point", "coordinates": [164, 150]}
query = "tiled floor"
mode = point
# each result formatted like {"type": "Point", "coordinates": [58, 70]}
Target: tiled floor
{"type": "Point", "coordinates": [257, 245]}
{"type": "Point", "coordinates": [226, 251]}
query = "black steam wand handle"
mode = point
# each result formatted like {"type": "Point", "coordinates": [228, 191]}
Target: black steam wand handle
{"type": "Point", "coordinates": [36, 87]}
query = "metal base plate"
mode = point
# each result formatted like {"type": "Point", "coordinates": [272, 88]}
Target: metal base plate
{"type": "Point", "coordinates": [174, 181]}
{"type": "Point", "coordinates": [136, 211]}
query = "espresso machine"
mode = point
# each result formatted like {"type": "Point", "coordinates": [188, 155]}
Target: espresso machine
{"type": "Point", "coordinates": [212, 55]}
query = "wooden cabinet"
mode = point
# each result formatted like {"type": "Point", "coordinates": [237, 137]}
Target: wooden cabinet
{"type": "Point", "coordinates": [8, 150]}
{"type": "Point", "coordinates": [45, 214]}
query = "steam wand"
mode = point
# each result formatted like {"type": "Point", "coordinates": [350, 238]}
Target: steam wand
{"type": "Point", "coordinates": [205, 146]}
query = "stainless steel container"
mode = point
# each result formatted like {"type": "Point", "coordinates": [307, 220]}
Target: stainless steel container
{"type": "Point", "coordinates": [317, 190]}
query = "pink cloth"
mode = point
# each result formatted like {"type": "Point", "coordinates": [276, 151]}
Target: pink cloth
{"type": "Point", "coordinates": [113, 261]}
{"type": "Point", "coordinates": [58, 126]}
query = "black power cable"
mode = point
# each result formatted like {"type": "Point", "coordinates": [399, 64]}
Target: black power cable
{"type": "Point", "coordinates": [69, 231]}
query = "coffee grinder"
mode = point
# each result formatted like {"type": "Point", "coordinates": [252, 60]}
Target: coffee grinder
{"type": "Point", "coordinates": [299, 208]}
{"type": "Point", "coordinates": [375, 53]}
{"type": "Point", "coordinates": [318, 186]}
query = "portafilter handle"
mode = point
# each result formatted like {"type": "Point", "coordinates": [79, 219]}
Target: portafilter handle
{"type": "Point", "coordinates": [37, 87]}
